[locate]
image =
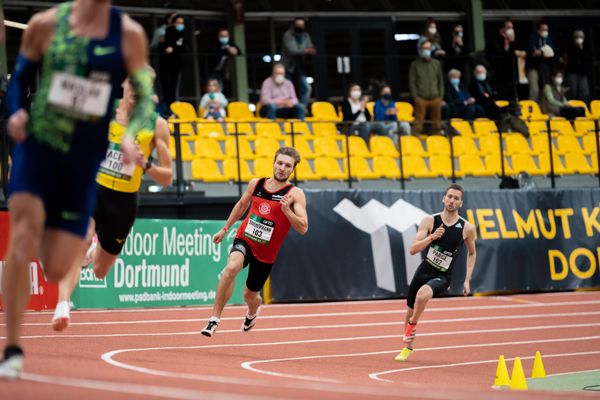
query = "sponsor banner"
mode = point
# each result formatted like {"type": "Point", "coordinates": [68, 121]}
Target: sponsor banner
{"type": "Point", "coordinates": [163, 263]}
{"type": "Point", "coordinates": [357, 243]}
{"type": "Point", "coordinates": [43, 293]}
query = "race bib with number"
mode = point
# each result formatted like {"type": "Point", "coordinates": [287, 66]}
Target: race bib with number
{"type": "Point", "coordinates": [437, 258]}
{"type": "Point", "coordinates": [113, 164]}
{"type": "Point", "coordinates": [78, 97]}
{"type": "Point", "coordinates": [259, 229]}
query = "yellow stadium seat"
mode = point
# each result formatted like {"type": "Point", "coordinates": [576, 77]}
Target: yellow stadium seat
{"type": "Point", "coordinates": [595, 109]}
{"type": "Point", "coordinates": [583, 126]}
{"type": "Point", "coordinates": [471, 165]}
{"type": "Point", "coordinates": [327, 147]}
{"type": "Point", "coordinates": [411, 146]}
{"type": "Point", "coordinates": [568, 144]}
{"type": "Point", "coordinates": [484, 127]}
{"type": "Point", "coordinates": [243, 129]}
{"type": "Point", "coordinates": [299, 128]}
{"type": "Point", "coordinates": [579, 103]}
{"type": "Point", "coordinates": [462, 126]}
{"type": "Point", "coordinates": [404, 111]}
{"type": "Point", "coordinates": [544, 163]}
{"type": "Point", "coordinates": [386, 167]}
{"type": "Point", "coordinates": [464, 145]}
{"type": "Point", "coordinates": [516, 143]}
{"type": "Point", "coordinates": [305, 173]}
{"type": "Point", "coordinates": [594, 158]}
{"type": "Point", "coordinates": [577, 164]}
{"type": "Point", "coordinates": [270, 129]}
{"type": "Point", "coordinates": [263, 167]}
{"type": "Point", "coordinates": [437, 144]}
{"type": "Point", "coordinates": [329, 168]}
{"type": "Point", "coordinates": [211, 130]}
{"type": "Point", "coordinates": [492, 164]}
{"type": "Point", "coordinates": [266, 147]}
{"type": "Point", "coordinates": [360, 169]}
{"type": "Point", "coordinates": [589, 143]}
{"type": "Point", "coordinates": [357, 146]}
{"type": "Point", "coordinates": [522, 162]}
{"type": "Point", "coordinates": [539, 144]}
{"type": "Point", "coordinates": [383, 146]}
{"type": "Point", "coordinates": [246, 152]}
{"type": "Point", "coordinates": [502, 103]}
{"type": "Point", "coordinates": [208, 148]}
{"type": "Point", "coordinates": [415, 167]}
{"type": "Point", "coordinates": [239, 111]}
{"type": "Point", "coordinates": [537, 127]}
{"type": "Point", "coordinates": [184, 111]}
{"type": "Point", "coordinates": [442, 166]}
{"type": "Point", "coordinates": [371, 107]}
{"type": "Point", "coordinates": [562, 126]}
{"type": "Point", "coordinates": [230, 170]}
{"type": "Point", "coordinates": [186, 152]}
{"type": "Point", "coordinates": [530, 110]}
{"type": "Point", "coordinates": [302, 145]}
{"type": "Point", "coordinates": [207, 170]}
{"type": "Point", "coordinates": [324, 129]}
{"type": "Point", "coordinates": [324, 111]}
{"type": "Point", "coordinates": [490, 144]}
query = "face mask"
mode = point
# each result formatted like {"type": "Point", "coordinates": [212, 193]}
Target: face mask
{"type": "Point", "coordinates": [455, 82]}
{"type": "Point", "coordinates": [510, 33]}
{"type": "Point", "coordinates": [425, 53]}
{"type": "Point", "coordinates": [458, 33]}
{"type": "Point", "coordinates": [355, 94]}
{"type": "Point", "coordinates": [279, 79]}
{"type": "Point", "coordinates": [558, 81]}
{"type": "Point", "coordinates": [298, 29]}
{"type": "Point", "coordinates": [180, 27]}
{"type": "Point", "coordinates": [432, 31]}
{"type": "Point", "coordinates": [224, 39]}
{"type": "Point", "coordinates": [386, 96]}
{"type": "Point", "coordinates": [481, 77]}
{"type": "Point", "coordinates": [544, 34]}
{"type": "Point", "coordinates": [579, 41]}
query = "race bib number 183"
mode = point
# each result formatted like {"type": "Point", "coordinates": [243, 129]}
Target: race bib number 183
{"type": "Point", "coordinates": [259, 229]}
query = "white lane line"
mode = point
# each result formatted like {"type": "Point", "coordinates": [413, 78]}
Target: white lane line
{"type": "Point", "coordinates": [376, 375]}
{"type": "Point", "coordinates": [249, 365]}
{"type": "Point", "coordinates": [132, 388]}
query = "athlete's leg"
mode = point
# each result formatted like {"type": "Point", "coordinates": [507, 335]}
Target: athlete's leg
{"type": "Point", "coordinates": [27, 217]}
{"type": "Point", "coordinates": [102, 261]}
{"type": "Point", "coordinates": [226, 283]}
{"type": "Point", "coordinates": [424, 294]}
{"type": "Point", "coordinates": [253, 300]}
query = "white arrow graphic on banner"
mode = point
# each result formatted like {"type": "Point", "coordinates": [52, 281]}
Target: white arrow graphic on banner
{"type": "Point", "coordinates": [372, 218]}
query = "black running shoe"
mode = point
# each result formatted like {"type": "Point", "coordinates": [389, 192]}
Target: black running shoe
{"type": "Point", "coordinates": [249, 323]}
{"type": "Point", "coordinates": [210, 328]}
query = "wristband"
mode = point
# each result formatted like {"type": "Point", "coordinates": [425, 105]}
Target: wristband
{"type": "Point", "coordinates": [148, 165]}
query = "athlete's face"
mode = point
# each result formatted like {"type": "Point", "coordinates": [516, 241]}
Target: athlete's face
{"type": "Point", "coordinates": [452, 200]}
{"type": "Point", "coordinates": [283, 167]}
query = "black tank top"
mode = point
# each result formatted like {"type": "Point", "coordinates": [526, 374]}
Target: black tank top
{"type": "Point", "coordinates": [442, 253]}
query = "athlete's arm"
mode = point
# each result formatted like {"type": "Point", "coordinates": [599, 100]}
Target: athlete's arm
{"type": "Point", "coordinates": [163, 172]}
{"type": "Point", "coordinates": [471, 256]}
{"type": "Point", "coordinates": [293, 206]}
{"type": "Point", "coordinates": [238, 210]}
{"type": "Point", "coordinates": [423, 238]}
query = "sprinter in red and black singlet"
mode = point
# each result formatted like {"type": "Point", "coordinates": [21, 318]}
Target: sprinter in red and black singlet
{"type": "Point", "coordinates": [440, 237]}
{"type": "Point", "coordinates": [274, 205]}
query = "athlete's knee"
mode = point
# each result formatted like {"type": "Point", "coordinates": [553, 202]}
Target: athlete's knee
{"type": "Point", "coordinates": [26, 238]}
{"type": "Point", "coordinates": [249, 295]}
{"type": "Point", "coordinates": [424, 294]}
{"type": "Point", "coordinates": [230, 271]}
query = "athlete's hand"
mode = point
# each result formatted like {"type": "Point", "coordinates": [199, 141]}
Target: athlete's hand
{"type": "Point", "coordinates": [218, 238]}
{"type": "Point", "coordinates": [286, 203]}
{"type": "Point", "coordinates": [466, 288]}
{"type": "Point", "coordinates": [16, 125]}
{"type": "Point", "coordinates": [438, 232]}
{"type": "Point", "coordinates": [129, 150]}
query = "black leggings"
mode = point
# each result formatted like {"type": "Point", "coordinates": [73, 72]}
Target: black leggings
{"type": "Point", "coordinates": [427, 275]}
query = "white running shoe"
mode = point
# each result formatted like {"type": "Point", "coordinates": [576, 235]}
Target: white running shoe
{"type": "Point", "coordinates": [89, 254]}
{"type": "Point", "coordinates": [11, 367]}
{"type": "Point", "coordinates": [210, 328]}
{"type": "Point", "coordinates": [249, 322]}
{"type": "Point", "coordinates": [61, 318]}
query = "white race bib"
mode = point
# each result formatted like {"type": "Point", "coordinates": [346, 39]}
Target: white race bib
{"type": "Point", "coordinates": [259, 229]}
{"type": "Point", "coordinates": [78, 97]}
{"type": "Point", "coordinates": [113, 164]}
{"type": "Point", "coordinates": [438, 259]}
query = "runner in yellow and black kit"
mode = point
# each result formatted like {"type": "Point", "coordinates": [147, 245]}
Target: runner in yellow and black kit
{"type": "Point", "coordinates": [117, 196]}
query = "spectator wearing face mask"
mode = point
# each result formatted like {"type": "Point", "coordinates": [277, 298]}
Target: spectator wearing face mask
{"type": "Point", "coordinates": [385, 116]}
{"type": "Point", "coordinates": [459, 100]}
{"type": "Point", "coordinates": [355, 109]}
{"type": "Point", "coordinates": [554, 101]}
{"type": "Point", "coordinates": [297, 48]}
{"type": "Point", "coordinates": [432, 35]}
{"type": "Point", "coordinates": [426, 84]}
{"type": "Point", "coordinates": [507, 58]}
{"type": "Point", "coordinates": [483, 93]}
{"type": "Point", "coordinates": [171, 61]}
{"type": "Point", "coordinates": [224, 50]}
{"type": "Point", "coordinates": [457, 52]}
{"type": "Point", "coordinates": [278, 97]}
{"type": "Point", "coordinates": [540, 61]}
{"type": "Point", "coordinates": [577, 59]}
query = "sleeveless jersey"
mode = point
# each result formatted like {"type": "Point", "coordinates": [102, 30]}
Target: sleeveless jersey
{"type": "Point", "coordinates": [113, 173]}
{"type": "Point", "coordinates": [265, 226]}
{"type": "Point", "coordinates": [442, 252]}
{"type": "Point", "coordinates": [78, 83]}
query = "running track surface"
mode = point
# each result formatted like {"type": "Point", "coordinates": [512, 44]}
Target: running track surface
{"type": "Point", "coordinates": [325, 351]}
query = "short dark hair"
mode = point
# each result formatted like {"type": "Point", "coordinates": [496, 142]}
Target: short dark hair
{"type": "Point", "coordinates": [290, 152]}
{"type": "Point", "coordinates": [455, 186]}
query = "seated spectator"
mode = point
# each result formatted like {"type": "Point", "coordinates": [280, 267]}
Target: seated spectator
{"type": "Point", "coordinates": [214, 102]}
{"type": "Point", "coordinates": [385, 116]}
{"type": "Point", "coordinates": [484, 95]}
{"type": "Point", "coordinates": [554, 101]}
{"type": "Point", "coordinates": [278, 97]}
{"type": "Point", "coordinates": [355, 109]}
{"type": "Point", "coordinates": [459, 100]}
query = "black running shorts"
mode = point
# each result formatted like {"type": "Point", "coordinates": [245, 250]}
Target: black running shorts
{"type": "Point", "coordinates": [258, 272]}
{"type": "Point", "coordinates": [115, 214]}
{"type": "Point", "coordinates": [427, 275]}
